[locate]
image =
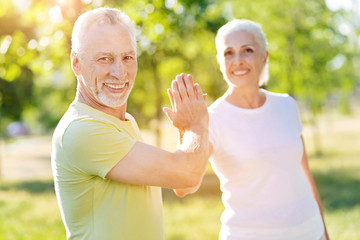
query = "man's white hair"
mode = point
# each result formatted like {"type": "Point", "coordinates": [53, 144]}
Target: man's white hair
{"type": "Point", "coordinates": [251, 27]}
{"type": "Point", "coordinates": [100, 16]}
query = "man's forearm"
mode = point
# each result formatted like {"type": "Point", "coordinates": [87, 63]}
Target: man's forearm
{"type": "Point", "coordinates": [195, 147]}
{"type": "Point", "coordinates": [189, 115]}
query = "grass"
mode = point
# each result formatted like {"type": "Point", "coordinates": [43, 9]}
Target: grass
{"type": "Point", "coordinates": [336, 173]}
{"type": "Point", "coordinates": [29, 211]}
{"type": "Point", "coordinates": [195, 217]}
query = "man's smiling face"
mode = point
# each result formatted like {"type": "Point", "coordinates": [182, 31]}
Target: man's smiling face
{"type": "Point", "coordinates": [107, 64]}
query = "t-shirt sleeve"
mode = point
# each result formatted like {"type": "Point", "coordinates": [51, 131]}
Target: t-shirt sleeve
{"type": "Point", "coordinates": [93, 148]}
{"type": "Point", "coordinates": [213, 135]}
{"type": "Point", "coordinates": [296, 115]}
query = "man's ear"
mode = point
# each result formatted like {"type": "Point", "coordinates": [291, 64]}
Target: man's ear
{"type": "Point", "coordinates": [75, 63]}
{"type": "Point", "coordinates": [266, 55]}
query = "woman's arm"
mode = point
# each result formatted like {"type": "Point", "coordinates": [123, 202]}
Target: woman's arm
{"type": "Point", "coordinates": [309, 177]}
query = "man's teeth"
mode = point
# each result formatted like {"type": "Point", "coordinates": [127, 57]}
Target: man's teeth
{"type": "Point", "coordinates": [115, 86]}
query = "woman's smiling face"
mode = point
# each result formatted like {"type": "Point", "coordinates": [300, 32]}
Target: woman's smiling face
{"type": "Point", "coordinates": [242, 59]}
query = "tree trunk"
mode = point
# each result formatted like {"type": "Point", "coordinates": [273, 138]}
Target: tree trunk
{"type": "Point", "coordinates": [1, 139]}
{"type": "Point", "coordinates": [316, 137]}
{"type": "Point", "coordinates": [159, 104]}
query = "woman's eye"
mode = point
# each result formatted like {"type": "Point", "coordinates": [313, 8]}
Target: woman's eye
{"type": "Point", "coordinates": [228, 53]}
{"type": "Point", "coordinates": [249, 50]}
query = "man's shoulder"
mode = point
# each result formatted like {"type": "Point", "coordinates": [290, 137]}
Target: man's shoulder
{"type": "Point", "coordinates": [83, 122]}
{"type": "Point", "coordinates": [76, 122]}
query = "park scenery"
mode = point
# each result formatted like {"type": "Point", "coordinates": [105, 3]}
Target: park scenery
{"type": "Point", "coordinates": [314, 55]}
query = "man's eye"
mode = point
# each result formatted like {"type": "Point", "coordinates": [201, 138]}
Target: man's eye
{"type": "Point", "coordinates": [128, 58]}
{"type": "Point", "coordinates": [249, 50]}
{"type": "Point", "coordinates": [104, 59]}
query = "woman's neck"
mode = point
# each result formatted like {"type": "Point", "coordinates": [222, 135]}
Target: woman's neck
{"type": "Point", "coordinates": [245, 98]}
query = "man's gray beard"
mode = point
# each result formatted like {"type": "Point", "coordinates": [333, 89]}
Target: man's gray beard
{"type": "Point", "coordinates": [112, 103]}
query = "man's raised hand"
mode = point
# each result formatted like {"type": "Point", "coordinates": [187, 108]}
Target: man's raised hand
{"type": "Point", "coordinates": [188, 104]}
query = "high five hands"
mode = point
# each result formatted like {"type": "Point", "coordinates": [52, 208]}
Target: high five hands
{"type": "Point", "coordinates": [188, 104]}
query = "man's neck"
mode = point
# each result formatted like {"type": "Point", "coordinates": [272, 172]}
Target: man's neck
{"type": "Point", "coordinates": [118, 112]}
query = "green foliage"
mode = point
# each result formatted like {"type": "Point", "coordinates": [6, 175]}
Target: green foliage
{"type": "Point", "coordinates": [36, 49]}
{"type": "Point", "coordinates": [311, 55]}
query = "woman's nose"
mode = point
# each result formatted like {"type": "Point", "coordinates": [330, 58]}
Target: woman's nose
{"type": "Point", "coordinates": [239, 58]}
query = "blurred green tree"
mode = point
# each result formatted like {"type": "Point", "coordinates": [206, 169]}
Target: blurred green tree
{"type": "Point", "coordinates": [174, 37]}
{"type": "Point", "coordinates": [312, 57]}
{"type": "Point", "coordinates": [34, 53]}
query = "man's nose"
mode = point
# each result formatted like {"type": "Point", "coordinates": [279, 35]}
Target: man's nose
{"type": "Point", "coordinates": [118, 69]}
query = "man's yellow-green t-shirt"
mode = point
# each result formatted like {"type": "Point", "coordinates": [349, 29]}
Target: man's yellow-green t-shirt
{"type": "Point", "coordinates": [87, 144]}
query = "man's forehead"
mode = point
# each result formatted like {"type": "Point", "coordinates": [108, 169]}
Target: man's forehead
{"type": "Point", "coordinates": [106, 28]}
{"type": "Point", "coordinates": [104, 52]}
{"type": "Point", "coordinates": [103, 38]}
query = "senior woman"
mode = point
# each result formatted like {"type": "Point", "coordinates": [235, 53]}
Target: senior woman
{"type": "Point", "coordinates": [257, 149]}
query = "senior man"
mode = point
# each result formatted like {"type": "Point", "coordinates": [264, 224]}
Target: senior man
{"type": "Point", "coordinates": [107, 181]}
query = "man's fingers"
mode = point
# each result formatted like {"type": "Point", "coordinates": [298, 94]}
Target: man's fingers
{"type": "Point", "coordinates": [175, 93]}
{"type": "Point", "coordinates": [191, 79]}
{"type": "Point", "coordinates": [171, 96]}
{"type": "Point", "coordinates": [199, 92]}
{"type": "Point", "coordinates": [204, 96]}
{"type": "Point", "coordinates": [181, 86]}
{"type": "Point", "coordinates": [169, 113]}
{"type": "Point", "coordinates": [189, 84]}
{"type": "Point", "coordinates": [192, 83]}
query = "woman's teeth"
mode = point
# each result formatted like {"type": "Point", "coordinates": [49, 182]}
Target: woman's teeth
{"type": "Point", "coordinates": [240, 72]}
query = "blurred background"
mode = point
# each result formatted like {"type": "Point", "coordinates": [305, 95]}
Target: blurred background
{"type": "Point", "coordinates": [314, 51]}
